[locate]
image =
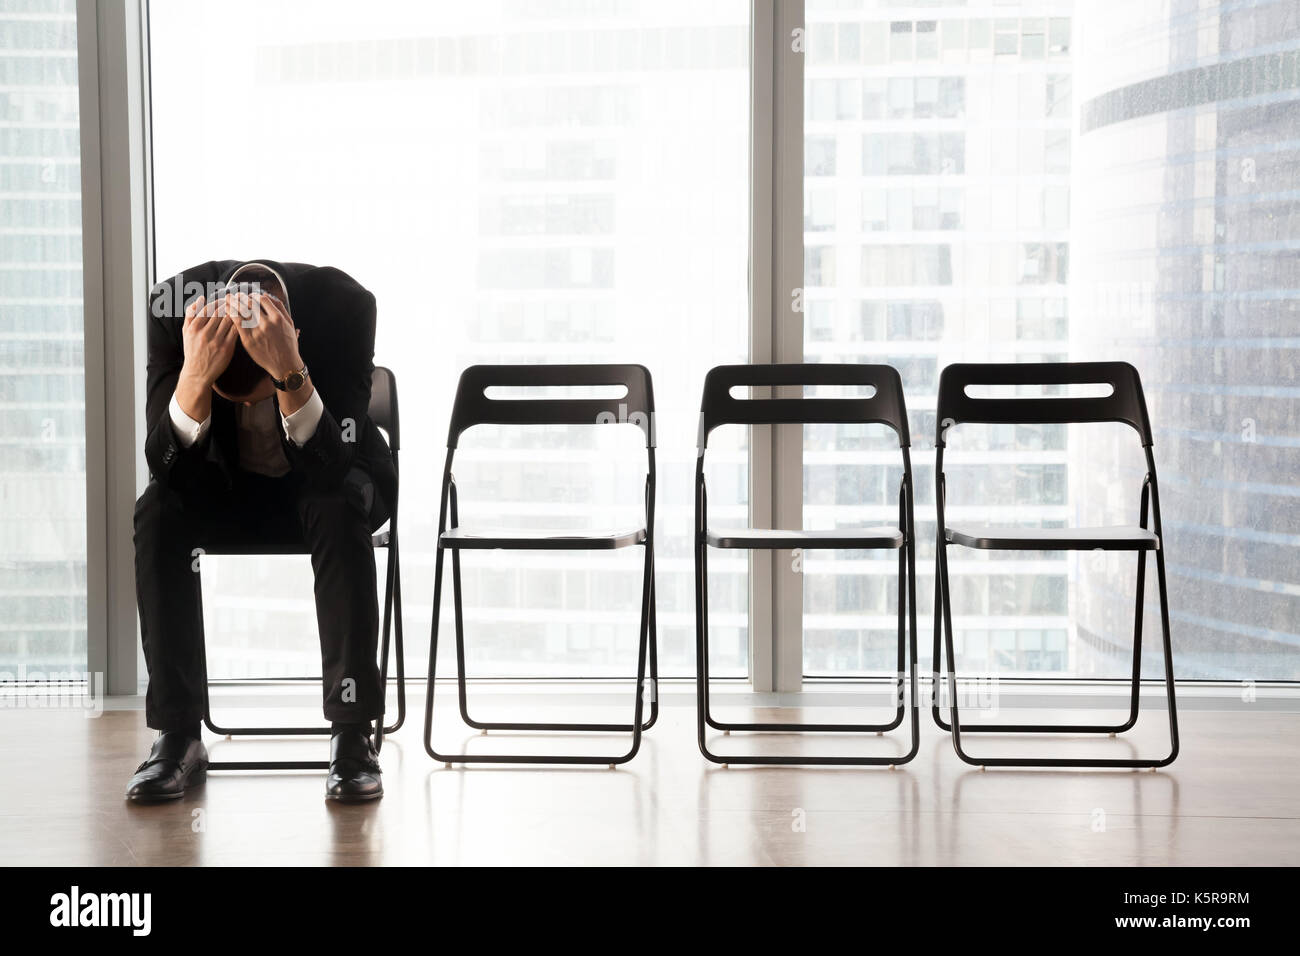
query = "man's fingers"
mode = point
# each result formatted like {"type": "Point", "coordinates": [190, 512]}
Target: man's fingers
{"type": "Point", "coordinates": [239, 308]}
{"type": "Point", "coordinates": [229, 332]}
{"type": "Point", "coordinates": [192, 310]}
{"type": "Point", "coordinates": [195, 317]}
{"type": "Point", "coordinates": [204, 315]}
{"type": "Point", "coordinates": [270, 307]}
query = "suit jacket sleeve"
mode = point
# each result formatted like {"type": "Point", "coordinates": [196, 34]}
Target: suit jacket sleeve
{"type": "Point", "coordinates": [325, 459]}
{"type": "Point", "coordinates": [170, 462]}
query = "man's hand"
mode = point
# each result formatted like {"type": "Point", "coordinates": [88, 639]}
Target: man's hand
{"type": "Point", "coordinates": [209, 338]}
{"type": "Point", "coordinates": [271, 340]}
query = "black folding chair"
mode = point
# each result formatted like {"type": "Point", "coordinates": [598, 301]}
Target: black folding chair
{"type": "Point", "coordinates": [885, 406]}
{"type": "Point", "coordinates": [474, 407]}
{"type": "Point", "coordinates": [1127, 405]}
{"type": "Point", "coordinates": [383, 412]}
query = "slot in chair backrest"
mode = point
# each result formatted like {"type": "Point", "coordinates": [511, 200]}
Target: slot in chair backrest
{"type": "Point", "coordinates": [383, 405]}
{"type": "Point", "coordinates": [474, 407]}
{"type": "Point", "coordinates": [884, 407]}
{"type": "Point", "coordinates": [1125, 404]}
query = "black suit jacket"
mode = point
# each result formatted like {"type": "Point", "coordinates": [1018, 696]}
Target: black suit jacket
{"type": "Point", "coordinates": [337, 318]}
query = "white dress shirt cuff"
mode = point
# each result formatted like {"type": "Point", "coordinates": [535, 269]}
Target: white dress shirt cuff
{"type": "Point", "coordinates": [301, 425]}
{"type": "Point", "coordinates": [188, 431]}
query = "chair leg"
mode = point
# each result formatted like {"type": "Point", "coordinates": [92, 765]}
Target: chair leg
{"type": "Point", "coordinates": [1169, 656]}
{"type": "Point", "coordinates": [459, 617]}
{"type": "Point", "coordinates": [788, 727]}
{"type": "Point", "coordinates": [654, 654]}
{"type": "Point", "coordinates": [462, 680]}
{"type": "Point", "coordinates": [701, 649]}
{"type": "Point", "coordinates": [913, 678]}
{"type": "Point", "coordinates": [906, 637]}
{"type": "Point", "coordinates": [252, 731]}
{"type": "Point", "coordinates": [385, 632]}
{"type": "Point", "coordinates": [259, 732]}
{"type": "Point", "coordinates": [936, 657]}
{"type": "Point", "coordinates": [1129, 763]}
{"type": "Point", "coordinates": [702, 588]}
{"type": "Point", "coordinates": [702, 697]}
{"type": "Point", "coordinates": [1135, 686]}
{"type": "Point", "coordinates": [635, 728]}
{"type": "Point", "coordinates": [399, 646]}
{"type": "Point", "coordinates": [393, 604]}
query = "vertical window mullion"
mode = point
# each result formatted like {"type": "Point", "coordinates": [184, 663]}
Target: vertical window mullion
{"type": "Point", "coordinates": [776, 453]}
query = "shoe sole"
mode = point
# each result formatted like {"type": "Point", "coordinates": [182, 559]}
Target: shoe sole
{"type": "Point", "coordinates": [196, 779]}
{"type": "Point", "coordinates": [354, 797]}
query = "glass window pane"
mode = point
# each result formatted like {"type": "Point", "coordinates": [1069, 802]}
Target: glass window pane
{"type": "Point", "coordinates": [42, 386]}
{"type": "Point", "coordinates": [978, 293]}
{"type": "Point", "coordinates": [1185, 264]}
{"type": "Point", "coordinates": [1140, 209]}
{"type": "Point", "coordinates": [529, 186]}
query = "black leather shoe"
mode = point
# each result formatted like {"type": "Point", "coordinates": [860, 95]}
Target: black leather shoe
{"type": "Point", "coordinates": [354, 768]}
{"type": "Point", "coordinates": [175, 763]}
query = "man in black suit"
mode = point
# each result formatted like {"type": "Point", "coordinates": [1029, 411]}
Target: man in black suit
{"type": "Point", "coordinates": [257, 424]}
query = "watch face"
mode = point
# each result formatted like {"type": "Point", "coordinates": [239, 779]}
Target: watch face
{"type": "Point", "coordinates": [293, 381]}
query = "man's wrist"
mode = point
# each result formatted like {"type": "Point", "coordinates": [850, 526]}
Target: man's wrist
{"type": "Point", "coordinates": [194, 396]}
{"type": "Point", "coordinates": [293, 363]}
{"type": "Point", "coordinates": [290, 402]}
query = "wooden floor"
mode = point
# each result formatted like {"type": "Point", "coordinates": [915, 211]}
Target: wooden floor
{"type": "Point", "coordinates": [1232, 798]}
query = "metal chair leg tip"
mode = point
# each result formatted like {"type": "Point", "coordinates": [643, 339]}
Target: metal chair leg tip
{"type": "Point", "coordinates": [982, 768]}
{"type": "Point", "coordinates": [880, 733]}
{"type": "Point", "coordinates": [1111, 735]}
{"type": "Point", "coordinates": [613, 766]}
{"type": "Point", "coordinates": [725, 766]}
{"type": "Point", "coordinates": [448, 765]}
{"type": "Point", "coordinates": [726, 733]}
{"type": "Point", "coordinates": [483, 732]}
{"type": "Point", "coordinates": [891, 766]}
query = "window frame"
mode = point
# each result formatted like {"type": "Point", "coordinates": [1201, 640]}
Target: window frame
{"type": "Point", "coordinates": [116, 243]}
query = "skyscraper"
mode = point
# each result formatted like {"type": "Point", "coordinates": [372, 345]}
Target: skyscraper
{"type": "Point", "coordinates": [42, 396]}
{"type": "Point", "coordinates": [1187, 263]}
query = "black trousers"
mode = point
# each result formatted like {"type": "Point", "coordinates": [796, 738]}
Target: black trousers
{"type": "Point", "coordinates": [334, 526]}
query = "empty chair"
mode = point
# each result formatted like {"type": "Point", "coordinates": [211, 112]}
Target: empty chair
{"type": "Point", "coordinates": [473, 406]}
{"type": "Point", "coordinates": [1125, 404]}
{"type": "Point", "coordinates": [383, 412]}
{"type": "Point", "coordinates": [884, 406]}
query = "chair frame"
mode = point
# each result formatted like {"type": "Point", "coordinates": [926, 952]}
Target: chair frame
{"type": "Point", "coordinates": [384, 413]}
{"type": "Point", "coordinates": [885, 407]}
{"type": "Point", "coordinates": [1125, 405]}
{"type": "Point", "coordinates": [473, 407]}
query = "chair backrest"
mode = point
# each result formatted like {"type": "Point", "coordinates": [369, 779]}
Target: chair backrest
{"type": "Point", "coordinates": [885, 406]}
{"type": "Point", "coordinates": [474, 407]}
{"type": "Point", "coordinates": [383, 404]}
{"type": "Point", "coordinates": [1125, 403]}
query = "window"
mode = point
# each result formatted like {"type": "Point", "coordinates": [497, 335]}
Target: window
{"type": "Point", "coordinates": [515, 184]}
{"type": "Point", "coordinates": [526, 182]}
{"type": "Point", "coordinates": [1138, 209]}
{"type": "Point", "coordinates": [930, 166]}
{"type": "Point", "coordinates": [42, 396]}
{"type": "Point", "coordinates": [1184, 263]}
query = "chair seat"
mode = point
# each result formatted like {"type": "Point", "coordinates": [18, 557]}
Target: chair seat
{"type": "Point", "coordinates": [279, 543]}
{"type": "Point", "coordinates": [542, 540]}
{"type": "Point", "coordinates": [766, 538]}
{"type": "Point", "coordinates": [991, 538]}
